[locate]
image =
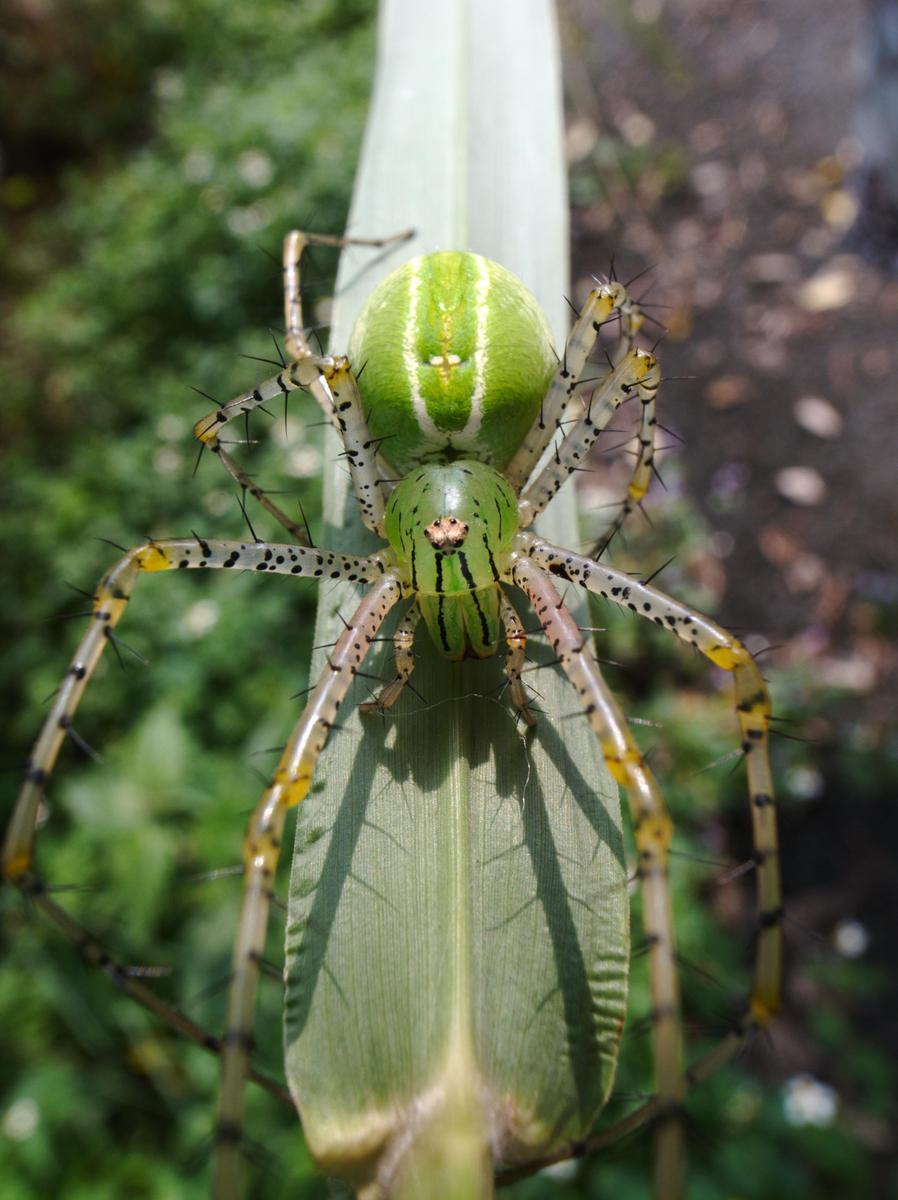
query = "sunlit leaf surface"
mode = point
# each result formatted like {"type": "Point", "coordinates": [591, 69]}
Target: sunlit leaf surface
{"type": "Point", "coordinates": [457, 937]}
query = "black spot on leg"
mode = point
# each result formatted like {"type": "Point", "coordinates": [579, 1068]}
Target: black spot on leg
{"type": "Point", "coordinates": [771, 918]}
{"type": "Point", "coordinates": [228, 1133]}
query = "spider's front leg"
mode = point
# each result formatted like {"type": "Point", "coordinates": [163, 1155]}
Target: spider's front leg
{"type": "Point", "coordinates": [652, 829]}
{"type": "Point", "coordinates": [322, 375]}
{"type": "Point", "coordinates": [637, 372]}
{"type": "Point", "coordinates": [332, 381]}
{"type": "Point", "coordinates": [261, 849]}
{"type": "Point", "coordinates": [609, 302]}
{"type": "Point", "coordinates": [295, 244]}
{"type": "Point", "coordinates": [291, 780]}
{"type": "Point", "coordinates": [641, 475]}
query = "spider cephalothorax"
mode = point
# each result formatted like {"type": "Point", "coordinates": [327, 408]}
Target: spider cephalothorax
{"type": "Point", "coordinates": [450, 529]}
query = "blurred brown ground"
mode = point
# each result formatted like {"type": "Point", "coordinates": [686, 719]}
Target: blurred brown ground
{"type": "Point", "coordinates": [717, 142]}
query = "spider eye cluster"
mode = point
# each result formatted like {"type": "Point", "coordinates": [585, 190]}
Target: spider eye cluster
{"type": "Point", "coordinates": [447, 533]}
{"type": "Point", "coordinates": [452, 511]}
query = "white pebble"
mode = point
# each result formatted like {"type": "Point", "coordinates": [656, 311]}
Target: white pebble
{"type": "Point", "coordinates": [818, 416]}
{"type": "Point", "coordinates": [829, 289]}
{"type": "Point", "coordinates": [851, 938]}
{"type": "Point", "coordinates": [255, 168]}
{"type": "Point", "coordinates": [801, 485]}
{"type": "Point", "coordinates": [805, 783]}
{"type": "Point", "coordinates": [21, 1119]}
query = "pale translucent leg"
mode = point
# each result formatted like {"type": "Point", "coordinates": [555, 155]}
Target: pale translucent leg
{"type": "Point", "coordinates": [652, 829]}
{"type": "Point", "coordinates": [637, 372]}
{"type": "Point", "coordinates": [322, 375]}
{"type": "Point", "coordinates": [642, 469]}
{"type": "Point", "coordinates": [602, 304]}
{"type": "Point", "coordinates": [753, 711]}
{"type": "Point", "coordinates": [515, 657]}
{"type": "Point", "coordinates": [404, 656]}
{"type": "Point", "coordinates": [110, 600]}
{"type": "Point", "coordinates": [366, 464]}
{"type": "Point", "coordinates": [332, 382]}
{"type": "Point", "coordinates": [261, 850]}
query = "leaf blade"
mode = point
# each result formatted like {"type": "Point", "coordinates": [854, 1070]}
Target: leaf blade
{"type": "Point", "coordinates": [458, 931]}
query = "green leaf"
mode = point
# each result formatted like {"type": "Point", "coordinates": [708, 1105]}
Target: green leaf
{"type": "Point", "coordinates": [458, 937]}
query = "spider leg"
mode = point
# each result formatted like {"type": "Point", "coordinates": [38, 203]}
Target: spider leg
{"type": "Point", "coordinates": [403, 650]}
{"type": "Point", "coordinates": [515, 656]}
{"type": "Point", "coordinates": [332, 382]}
{"type": "Point", "coordinates": [653, 830]}
{"type": "Point", "coordinates": [649, 1110]}
{"type": "Point", "coordinates": [296, 344]}
{"type": "Point", "coordinates": [322, 375]}
{"type": "Point", "coordinates": [637, 371]}
{"type": "Point", "coordinates": [259, 494]}
{"type": "Point", "coordinates": [753, 711]}
{"type": "Point", "coordinates": [306, 373]}
{"type": "Point", "coordinates": [294, 244]}
{"type": "Point", "coordinates": [359, 447]}
{"type": "Point", "coordinates": [261, 847]}
{"type": "Point", "coordinates": [95, 953]}
{"type": "Point", "coordinates": [642, 469]}
{"type": "Point", "coordinates": [110, 601]}
{"type": "Point", "coordinates": [601, 305]}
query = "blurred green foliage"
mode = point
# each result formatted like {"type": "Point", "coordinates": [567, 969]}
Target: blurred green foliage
{"type": "Point", "coordinates": [176, 148]}
{"type": "Point", "coordinates": [153, 166]}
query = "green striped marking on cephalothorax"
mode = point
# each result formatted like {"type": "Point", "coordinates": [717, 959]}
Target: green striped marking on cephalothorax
{"type": "Point", "coordinates": [450, 527]}
{"type": "Point", "coordinates": [455, 357]}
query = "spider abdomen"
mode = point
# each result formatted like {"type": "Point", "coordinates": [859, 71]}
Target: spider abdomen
{"type": "Point", "coordinates": [454, 357]}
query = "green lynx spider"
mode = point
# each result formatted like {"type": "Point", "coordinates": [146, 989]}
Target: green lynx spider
{"type": "Point", "coordinates": [461, 375]}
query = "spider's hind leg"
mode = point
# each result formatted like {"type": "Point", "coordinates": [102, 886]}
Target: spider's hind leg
{"type": "Point", "coordinates": [653, 829]}
{"type": "Point", "coordinates": [753, 711]}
